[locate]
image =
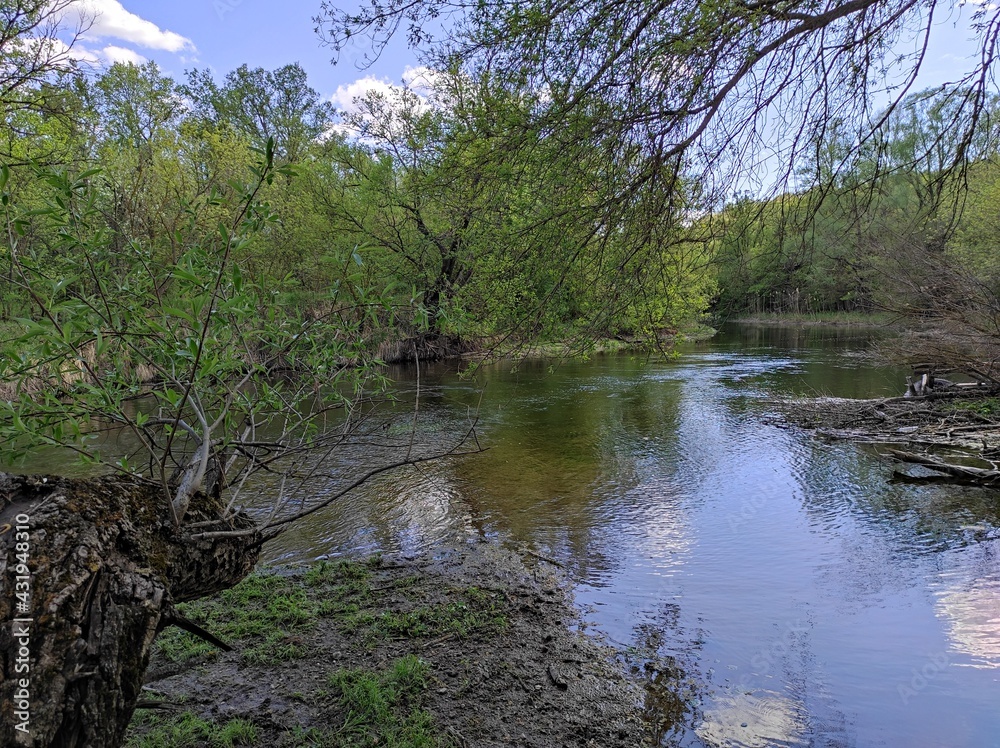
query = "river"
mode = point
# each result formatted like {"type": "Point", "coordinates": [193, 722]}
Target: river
{"type": "Point", "coordinates": [772, 588]}
{"type": "Point", "coordinates": [775, 589]}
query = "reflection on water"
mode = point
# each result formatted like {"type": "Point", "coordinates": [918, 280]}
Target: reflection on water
{"type": "Point", "coordinates": [760, 719]}
{"type": "Point", "coordinates": [968, 599]}
{"type": "Point", "coordinates": [774, 589]}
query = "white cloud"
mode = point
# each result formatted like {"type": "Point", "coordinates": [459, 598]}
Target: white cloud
{"type": "Point", "coordinates": [417, 80]}
{"type": "Point", "coordinates": [120, 54]}
{"type": "Point", "coordinates": [109, 20]}
{"type": "Point", "coordinates": [109, 55]}
{"type": "Point", "coordinates": [57, 48]}
{"type": "Point", "coordinates": [344, 98]}
{"type": "Point", "coordinates": [421, 79]}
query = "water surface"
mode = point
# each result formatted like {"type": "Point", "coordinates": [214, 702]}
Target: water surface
{"type": "Point", "coordinates": [776, 589]}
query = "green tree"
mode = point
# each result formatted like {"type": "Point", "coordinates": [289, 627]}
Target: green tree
{"type": "Point", "coordinates": [200, 379]}
{"type": "Point", "coordinates": [262, 104]}
{"type": "Point", "coordinates": [135, 103]}
{"type": "Point", "coordinates": [702, 98]}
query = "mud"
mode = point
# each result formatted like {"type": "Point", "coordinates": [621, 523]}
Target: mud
{"type": "Point", "coordinates": [533, 679]}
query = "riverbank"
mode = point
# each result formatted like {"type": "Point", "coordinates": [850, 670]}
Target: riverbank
{"type": "Point", "coordinates": [477, 647]}
{"type": "Point", "coordinates": [819, 319]}
{"type": "Point", "coordinates": [584, 346]}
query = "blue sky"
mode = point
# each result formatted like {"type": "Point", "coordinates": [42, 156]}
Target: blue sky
{"type": "Point", "coordinates": [223, 34]}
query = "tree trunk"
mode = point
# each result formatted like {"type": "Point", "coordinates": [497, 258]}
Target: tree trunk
{"type": "Point", "coordinates": [105, 565]}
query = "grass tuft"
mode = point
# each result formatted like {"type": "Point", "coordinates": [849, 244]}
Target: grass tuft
{"type": "Point", "coordinates": [384, 708]}
{"type": "Point", "coordinates": [188, 730]}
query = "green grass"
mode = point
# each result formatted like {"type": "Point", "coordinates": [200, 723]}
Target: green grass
{"type": "Point", "coordinates": [188, 730]}
{"type": "Point", "coordinates": [384, 708]}
{"type": "Point", "coordinates": [268, 615]}
{"type": "Point", "coordinates": [267, 612]}
{"type": "Point", "coordinates": [471, 611]}
{"type": "Point", "coordinates": [988, 407]}
{"type": "Point", "coordinates": [300, 737]}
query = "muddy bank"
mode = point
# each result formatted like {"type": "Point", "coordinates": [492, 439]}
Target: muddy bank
{"type": "Point", "coordinates": [476, 647]}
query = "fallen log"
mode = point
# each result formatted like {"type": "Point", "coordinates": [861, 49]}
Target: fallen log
{"type": "Point", "coordinates": [960, 473]}
{"type": "Point", "coordinates": [91, 569]}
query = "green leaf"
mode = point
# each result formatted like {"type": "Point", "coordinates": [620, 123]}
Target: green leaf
{"type": "Point", "coordinates": [176, 311]}
{"type": "Point", "coordinates": [100, 344]}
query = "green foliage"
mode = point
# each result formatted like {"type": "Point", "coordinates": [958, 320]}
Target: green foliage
{"type": "Point", "coordinates": [988, 407]}
{"type": "Point", "coordinates": [878, 226]}
{"type": "Point", "coordinates": [178, 352]}
{"type": "Point", "coordinates": [262, 104]}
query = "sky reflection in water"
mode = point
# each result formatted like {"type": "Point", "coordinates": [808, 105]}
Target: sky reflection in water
{"type": "Point", "coordinates": [798, 596]}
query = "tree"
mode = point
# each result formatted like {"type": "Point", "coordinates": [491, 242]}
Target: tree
{"type": "Point", "coordinates": [715, 82]}
{"type": "Point", "coordinates": [504, 231]}
{"type": "Point", "coordinates": [706, 97]}
{"type": "Point", "coordinates": [135, 104]}
{"type": "Point", "coordinates": [36, 49]}
{"type": "Point", "coordinates": [262, 104]}
{"type": "Point", "coordinates": [204, 381]}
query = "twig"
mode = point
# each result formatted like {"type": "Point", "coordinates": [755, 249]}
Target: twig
{"type": "Point", "coordinates": [546, 559]}
{"type": "Point", "coordinates": [173, 618]}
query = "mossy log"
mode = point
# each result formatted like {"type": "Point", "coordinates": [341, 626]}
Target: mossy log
{"type": "Point", "coordinates": [105, 567]}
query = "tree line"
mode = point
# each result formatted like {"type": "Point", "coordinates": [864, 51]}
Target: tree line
{"type": "Point", "coordinates": [467, 225]}
{"type": "Point", "coordinates": [890, 226]}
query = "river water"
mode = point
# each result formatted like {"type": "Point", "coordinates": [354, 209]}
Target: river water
{"type": "Point", "coordinates": [775, 589]}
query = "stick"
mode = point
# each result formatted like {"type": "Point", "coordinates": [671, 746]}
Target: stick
{"type": "Point", "coordinates": [173, 618]}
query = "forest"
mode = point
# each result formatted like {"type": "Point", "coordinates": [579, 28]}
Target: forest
{"type": "Point", "coordinates": [432, 214]}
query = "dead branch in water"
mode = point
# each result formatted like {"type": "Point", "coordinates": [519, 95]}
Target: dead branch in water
{"type": "Point", "coordinates": [957, 473]}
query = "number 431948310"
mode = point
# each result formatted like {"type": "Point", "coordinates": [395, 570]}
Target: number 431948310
{"type": "Point", "coordinates": [22, 582]}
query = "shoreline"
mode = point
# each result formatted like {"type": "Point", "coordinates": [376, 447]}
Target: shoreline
{"type": "Point", "coordinates": [478, 646]}
{"type": "Point", "coordinates": [825, 319]}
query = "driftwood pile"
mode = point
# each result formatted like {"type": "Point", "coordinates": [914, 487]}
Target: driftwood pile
{"type": "Point", "coordinates": [948, 430]}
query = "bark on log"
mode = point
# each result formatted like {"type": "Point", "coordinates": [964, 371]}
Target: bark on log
{"type": "Point", "coordinates": [957, 473]}
{"type": "Point", "coordinates": [106, 565]}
